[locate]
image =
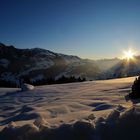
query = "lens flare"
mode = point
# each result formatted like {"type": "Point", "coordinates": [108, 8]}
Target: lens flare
{"type": "Point", "coordinates": [128, 55]}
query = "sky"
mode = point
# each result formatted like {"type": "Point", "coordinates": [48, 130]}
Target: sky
{"type": "Point", "coordinates": [87, 28]}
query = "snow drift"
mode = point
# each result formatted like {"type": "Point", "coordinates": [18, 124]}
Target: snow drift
{"type": "Point", "coordinates": [26, 87]}
{"type": "Point", "coordinates": [119, 124]}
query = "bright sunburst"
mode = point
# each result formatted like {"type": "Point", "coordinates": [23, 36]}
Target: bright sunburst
{"type": "Point", "coordinates": [128, 54]}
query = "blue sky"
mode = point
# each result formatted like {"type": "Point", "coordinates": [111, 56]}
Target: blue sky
{"type": "Point", "coordinates": [87, 28]}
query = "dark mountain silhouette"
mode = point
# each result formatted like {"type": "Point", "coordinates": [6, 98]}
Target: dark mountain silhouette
{"type": "Point", "coordinates": [35, 64]}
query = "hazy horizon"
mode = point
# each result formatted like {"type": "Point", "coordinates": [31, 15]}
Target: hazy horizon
{"type": "Point", "coordinates": [92, 29]}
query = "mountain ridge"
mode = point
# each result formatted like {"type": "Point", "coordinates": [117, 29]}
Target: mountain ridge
{"type": "Point", "coordinates": [33, 64]}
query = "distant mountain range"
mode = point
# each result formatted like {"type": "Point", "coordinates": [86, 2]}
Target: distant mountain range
{"type": "Point", "coordinates": [36, 64]}
{"type": "Point", "coordinates": [125, 68]}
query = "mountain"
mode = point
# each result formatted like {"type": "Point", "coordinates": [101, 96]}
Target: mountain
{"type": "Point", "coordinates": [123, 68]}
{"type": "Point", "coordinates": [106, 64]}
{"type": "Point", "coordinates": [126, 68]}
{"type": "Point", "coordinates": [36, 64]}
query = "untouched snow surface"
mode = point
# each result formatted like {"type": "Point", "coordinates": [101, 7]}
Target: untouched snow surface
{"type": "Point", "coordinates": [95, 110]}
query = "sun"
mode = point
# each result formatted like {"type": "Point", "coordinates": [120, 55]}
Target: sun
{"type": "Point", "coordinates": [128, 55]}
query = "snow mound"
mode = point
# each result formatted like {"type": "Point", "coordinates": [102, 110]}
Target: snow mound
{"type": "Point", "coordinates": [117, 125]}
{"type": "Point", "coordinates": [26, 87]}
{"type": "Point", "coordinates": [103, 106]}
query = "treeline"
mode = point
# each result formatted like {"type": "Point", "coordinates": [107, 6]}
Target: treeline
{"type": "Point", "coordinates": [4, 83]}
{"type": "Point", "coordinates": [62, 79]}
{"type": "Point", "coordinates": [51, 80]}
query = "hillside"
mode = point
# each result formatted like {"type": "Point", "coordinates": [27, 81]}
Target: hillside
{"type": "Point", "coordinates": [19, 66]}
{"type": "Point", "coordinates": [37, 64]}
{"type": "Point", "coordinates": [124, 68]}
{"type": "Point", "coordinates": [75, 106]}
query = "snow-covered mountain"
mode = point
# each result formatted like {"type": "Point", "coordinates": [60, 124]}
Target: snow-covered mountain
{"type": "Point", "coordinates": [39, 63]}
{"type": "Point", "coordinates": [124, 68]}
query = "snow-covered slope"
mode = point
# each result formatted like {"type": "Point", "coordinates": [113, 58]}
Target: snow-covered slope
{"type": "Point", "coordinates": [77, 107]}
